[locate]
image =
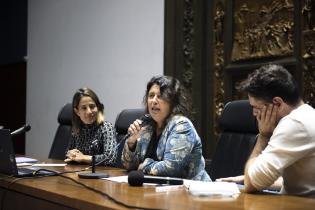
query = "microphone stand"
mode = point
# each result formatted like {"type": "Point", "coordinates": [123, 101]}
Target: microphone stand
{"type": "Point", "coordinates": [93, 163]}
{"type": "Point", "coordinates": [93, 175]}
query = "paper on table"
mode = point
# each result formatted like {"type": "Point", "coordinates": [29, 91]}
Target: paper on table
{"type": "Point", "coordinates": [48, 164]}
{"type": "Point", "coordinates": [23, 164]}
{"type": "Point", "coordinates": [158, 188]}
{"type": "Point", "coordinates": [205, 189]}
{"type": "Point", "coordinates": [118, 179]}
{"type": "Point", "coordinates": [25, 160]}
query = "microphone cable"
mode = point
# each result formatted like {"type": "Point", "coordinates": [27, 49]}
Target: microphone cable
{"type": "Point", "coordinates": [35, 176]}
{"type": "Point", "coordinates": [61, 174]}
{"type": "Point", "coordinates": [146, 120]}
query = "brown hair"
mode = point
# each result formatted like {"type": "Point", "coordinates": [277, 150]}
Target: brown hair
{"type": "Point", "coordinates": [85, 92]}
{"type": "Point", "coordinates": [270, 81]}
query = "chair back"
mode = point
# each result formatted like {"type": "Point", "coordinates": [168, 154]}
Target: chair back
{"type": "Point", "coordinates": [122, 123]}
{"type": "Point", "coordinates": [236, 141]}
{"type": "Point", "coordinates": [63, 133]}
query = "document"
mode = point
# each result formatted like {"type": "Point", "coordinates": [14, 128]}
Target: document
{"type": "Point", "coordinates": [158, 188]}
{"type": "Point", "coordinates": [25, 160]}
{"type": "Point", "coordinates": [120, 179]}
{"type": "Point", "coordinates": [49, 164]}
{"type": "Point", "coordinates": [211, 189]}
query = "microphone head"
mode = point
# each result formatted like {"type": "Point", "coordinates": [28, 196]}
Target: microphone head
{"type": "Point", "coordinates": [146, 119]}
{"type": "Point", "coordinates": [135, 178]}
{"type": "Point", "coordinates": [23, 129]}
{"type": "Point", "coordinates": [94, 144]}
{"type": "Point", "coordinates": [27, 127]}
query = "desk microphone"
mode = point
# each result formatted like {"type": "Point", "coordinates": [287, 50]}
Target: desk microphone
{"type": "Point", "coordinates": [23, 129]}
{"type": "Point", "coordinates": [137, 178]}
{"type": "Point", "coordinates": [146, 120]}
{"type": "Point", "coordinates": [93, 175]}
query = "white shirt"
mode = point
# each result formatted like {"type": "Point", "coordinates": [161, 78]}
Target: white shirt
{"type": "Point", "coordinates": [290, 153]}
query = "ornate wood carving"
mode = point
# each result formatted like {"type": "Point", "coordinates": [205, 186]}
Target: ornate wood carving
{"type": "Point", "coordinates": [188, 44]}
{"type": "Point", "coordinates": [308, 14]}
{"type": "Point", "coordinates": [218, 86]}
{"type": "Point", "coordinates": [308, 51]}
{"type": "Point", "coordinates": [239, 36]}
{"type": "Point", "coordinates": [262, 29]}
{"type": "Point", "coordinates": [188, 50]}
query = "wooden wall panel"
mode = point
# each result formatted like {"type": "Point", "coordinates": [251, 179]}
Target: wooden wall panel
{"type": "Point", "coordinates": [216, 44]}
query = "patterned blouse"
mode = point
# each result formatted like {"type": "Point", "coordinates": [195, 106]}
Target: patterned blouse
{"type": "Point", "coordinates": [99, 140]}
{"type": "Point", "coordinates": [179, 152]}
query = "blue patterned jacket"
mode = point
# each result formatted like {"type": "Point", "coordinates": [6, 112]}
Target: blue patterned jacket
{"type": "Point", "coordinates": [179, 152]}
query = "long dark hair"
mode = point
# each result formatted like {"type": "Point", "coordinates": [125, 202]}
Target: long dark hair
{"type": "Point", "coordinates": [83, 92]}
{"type": "Point", "coordinates": [173, 92]}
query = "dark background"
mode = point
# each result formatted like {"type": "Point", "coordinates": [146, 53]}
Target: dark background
{"type": "Point", "coordinates": [13, 49]}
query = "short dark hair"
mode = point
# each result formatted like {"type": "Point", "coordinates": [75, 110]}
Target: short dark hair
{"type": "Point", "coordinates": [80, 93]}
{"type": "Point", "coordinates": [270, 81]}
{"type": "Point", "coordinates": [173, 92]}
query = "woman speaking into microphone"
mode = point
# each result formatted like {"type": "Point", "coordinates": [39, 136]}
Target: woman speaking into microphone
{"type": "Point", "coordinates": [170, 145]}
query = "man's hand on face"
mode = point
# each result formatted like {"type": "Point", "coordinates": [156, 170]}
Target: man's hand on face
{"type": "Point", "coordinates": [267, 120]}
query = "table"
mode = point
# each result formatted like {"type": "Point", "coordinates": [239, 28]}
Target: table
{"type": "Point", "coordinates": [53, 193]}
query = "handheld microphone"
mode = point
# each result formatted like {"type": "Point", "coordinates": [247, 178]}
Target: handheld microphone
{"type": "Point", "coordinates": [137, 178]}
{"type": "Point", "coordinates": [146, 120]}
{"type": "Point", "coordinates": [23, 129]}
